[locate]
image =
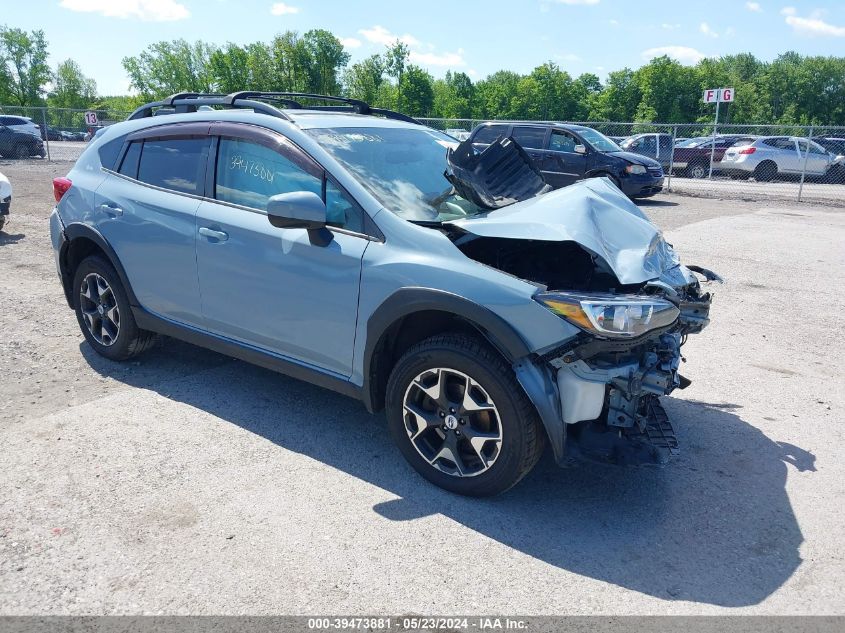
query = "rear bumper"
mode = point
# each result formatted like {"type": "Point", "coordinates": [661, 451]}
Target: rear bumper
{"type": "Point", "coordinates": [735, 168]}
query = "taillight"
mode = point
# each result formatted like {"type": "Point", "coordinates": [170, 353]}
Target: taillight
{"type": "Point", "coordinates": [748, 150]}
{"type": "Point", "coordinates": [60, 187]}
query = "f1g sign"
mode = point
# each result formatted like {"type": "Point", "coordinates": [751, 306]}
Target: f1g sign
{"type": "Point", "coordinates": [718, 95]}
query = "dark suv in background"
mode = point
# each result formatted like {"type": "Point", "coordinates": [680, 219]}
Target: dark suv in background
{"type": "Point", "coordinates": [568, 153]}
{"type": "Point", "coordinates": [16, 144]}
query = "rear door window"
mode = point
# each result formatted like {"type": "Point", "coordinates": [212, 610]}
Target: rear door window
{"type": "Point", "coordinates": [529, 137]}
{"type": "Point", "coordinates": [175, 163]}
{"type": "Point", "coordinates": [489, 133]}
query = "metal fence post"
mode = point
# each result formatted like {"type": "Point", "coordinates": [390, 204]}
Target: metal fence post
{"type": "Point", "coordinates": [672, 158]}
{"type": "Point", "coordinates": [46, 133]}
{"type": "Point", "coordinates": [713, 146]}
{"type": "Point", "coordinates": [804, 167]}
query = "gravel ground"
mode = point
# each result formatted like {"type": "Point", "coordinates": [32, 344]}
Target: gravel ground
{"type": "Point", "coordinates": [187, 482]}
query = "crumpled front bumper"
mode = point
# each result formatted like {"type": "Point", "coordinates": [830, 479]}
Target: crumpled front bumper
{"type": "Point", "coordinates": [608, 390]}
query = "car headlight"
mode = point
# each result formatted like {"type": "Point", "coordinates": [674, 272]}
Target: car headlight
{"type": "Point", "coordinates": [612, 316]}
{"type": "Point", "coordinates": [636, 169]}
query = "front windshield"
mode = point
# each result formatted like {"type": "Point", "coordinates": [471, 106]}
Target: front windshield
{"type": "Point", "coordinates": [402, 167]}
{"type": "Point", "coordinates": [598, 140]}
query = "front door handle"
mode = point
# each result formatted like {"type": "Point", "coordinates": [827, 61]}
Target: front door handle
{"type": "Point", "coordinates": [220, 236]}
{"type": "Point", "coordinates": [111, 210]}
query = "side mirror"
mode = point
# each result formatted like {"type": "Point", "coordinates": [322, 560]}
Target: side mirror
{"type": "Point", "coordinates": [580, 149]}
{"type": "Point", "coordinates": [300, 210]}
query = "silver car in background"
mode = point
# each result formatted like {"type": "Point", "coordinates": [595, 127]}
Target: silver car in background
{"type": "Point", "coordinates": [770, 157]}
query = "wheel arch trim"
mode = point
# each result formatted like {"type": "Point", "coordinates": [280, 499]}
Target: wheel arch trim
{"type": "Point", "coordinates": [78, 230]}
{"type": "Point", "coordinates": [407, 301]}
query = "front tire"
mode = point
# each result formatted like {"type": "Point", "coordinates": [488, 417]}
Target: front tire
{"type": "Point", "coordinates": [460, 418]}
{"type": "Point", "coordinates": [103, 311]}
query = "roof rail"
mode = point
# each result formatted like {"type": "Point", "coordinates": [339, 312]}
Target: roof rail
{"type": "Point", "coordinates": [189, 101]}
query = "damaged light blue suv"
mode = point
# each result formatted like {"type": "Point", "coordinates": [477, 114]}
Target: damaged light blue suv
{"type": "Point", "coordinates": [354, 248]}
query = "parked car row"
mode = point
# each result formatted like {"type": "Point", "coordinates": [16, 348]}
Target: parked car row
{"type": "Point", "coordinates": [764, 158]}
{"type": "Point", "coordinates": [26, 125]}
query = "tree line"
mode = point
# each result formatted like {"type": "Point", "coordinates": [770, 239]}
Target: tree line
{"type": "Point", "coordinates": [792, 89]}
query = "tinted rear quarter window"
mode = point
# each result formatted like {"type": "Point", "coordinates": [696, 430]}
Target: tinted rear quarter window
{"type": "Point", "coordinates": [110, 151]}
{"type": "Point", "coordinates": [529, 137]}
{"type": "Point", "coordinates": [174, 163]}
{"type": "Point", "coordinates": [489, 133]}
{"type": "Point", "coordinates": [129, 164]}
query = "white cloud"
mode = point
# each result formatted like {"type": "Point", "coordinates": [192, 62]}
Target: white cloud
{"type": "Point", "coordinates": [568, 57]}
{"type": "Point", "coordinates": [280, 8]}
{"type": "Point", "coordinates": [754, 6]}
{"type": "Point", "coordinates": [705, 28]}
{"type": "Point", "coordinates": [814, 26]}
{"type": "Point", "coordinates": [683, 54]}
{"type": "Point", "coordinates": [350, 42]}
{"type": "Point", "coordinates": [147, 10]}
{"type": "Point", "coordinates": [613, 22]}
{"type": "Point", "coordinates": [788, 11]}
{"type": "Point", "coordinates": [438, 59]}
{"type": "Point", "coordinates": [670, 27]}
{"type": "Point", "coordinates": [380, 35]}
{"type": "Point", "coordinates": [571, 2]}
{"type": "Point", "coordinates": [472, 72]}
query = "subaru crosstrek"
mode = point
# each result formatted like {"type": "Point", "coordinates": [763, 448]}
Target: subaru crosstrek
{"type": "Point", "coordinates": [329, 243]}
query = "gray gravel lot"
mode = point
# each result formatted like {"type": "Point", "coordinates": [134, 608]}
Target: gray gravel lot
{"type": "Point", "coordinates": [187, 482]}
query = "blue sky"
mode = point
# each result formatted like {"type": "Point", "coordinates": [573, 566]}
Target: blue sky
{"type": "Point", "coordinates": [476, 37]}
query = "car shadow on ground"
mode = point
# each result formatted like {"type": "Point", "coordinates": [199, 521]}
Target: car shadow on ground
{"type": "Point", "coordinates": [715, 526]}
{"type": "Point", "coordinates": [651, 202]}
{"type": "Point", "coordinates": [10, 238]}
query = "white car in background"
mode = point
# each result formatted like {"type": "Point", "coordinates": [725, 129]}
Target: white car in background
{"type": "Point", "coordinates": [20, 124]}
{"type": "Point", "coordinates": [5, 199]}
{"type": "Point", "coordinates": [770, 157]}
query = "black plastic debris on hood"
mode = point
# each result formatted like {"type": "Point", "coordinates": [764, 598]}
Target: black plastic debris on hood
{"type": "Point", "coordinates": [500, 175]}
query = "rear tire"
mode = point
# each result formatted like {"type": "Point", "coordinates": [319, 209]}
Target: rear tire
{"type": "Point", "coordinates": [103, 311]}
{"type": "Point", "coordinates": [765, 171]}
{"type": "Point", "coordinates": [21, 152]}
{"type": "Point", "coordinates": [478, 444]}
{"type": "Point", "coordinates": [698, 170]}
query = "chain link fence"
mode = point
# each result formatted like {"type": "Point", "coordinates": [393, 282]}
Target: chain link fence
{"type": "Point", "coordinates": [55, 134]}
{"type": "Point", "coordinates": [756, 162]}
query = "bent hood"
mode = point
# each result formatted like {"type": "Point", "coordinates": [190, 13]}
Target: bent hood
{"type": "Point", "coordinates": [594, 214]}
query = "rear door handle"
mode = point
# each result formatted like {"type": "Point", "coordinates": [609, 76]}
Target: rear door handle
{"type": "Point", "coordinates": [110, 209]}
{"type": "Point", "coordinates": [220, 236]}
